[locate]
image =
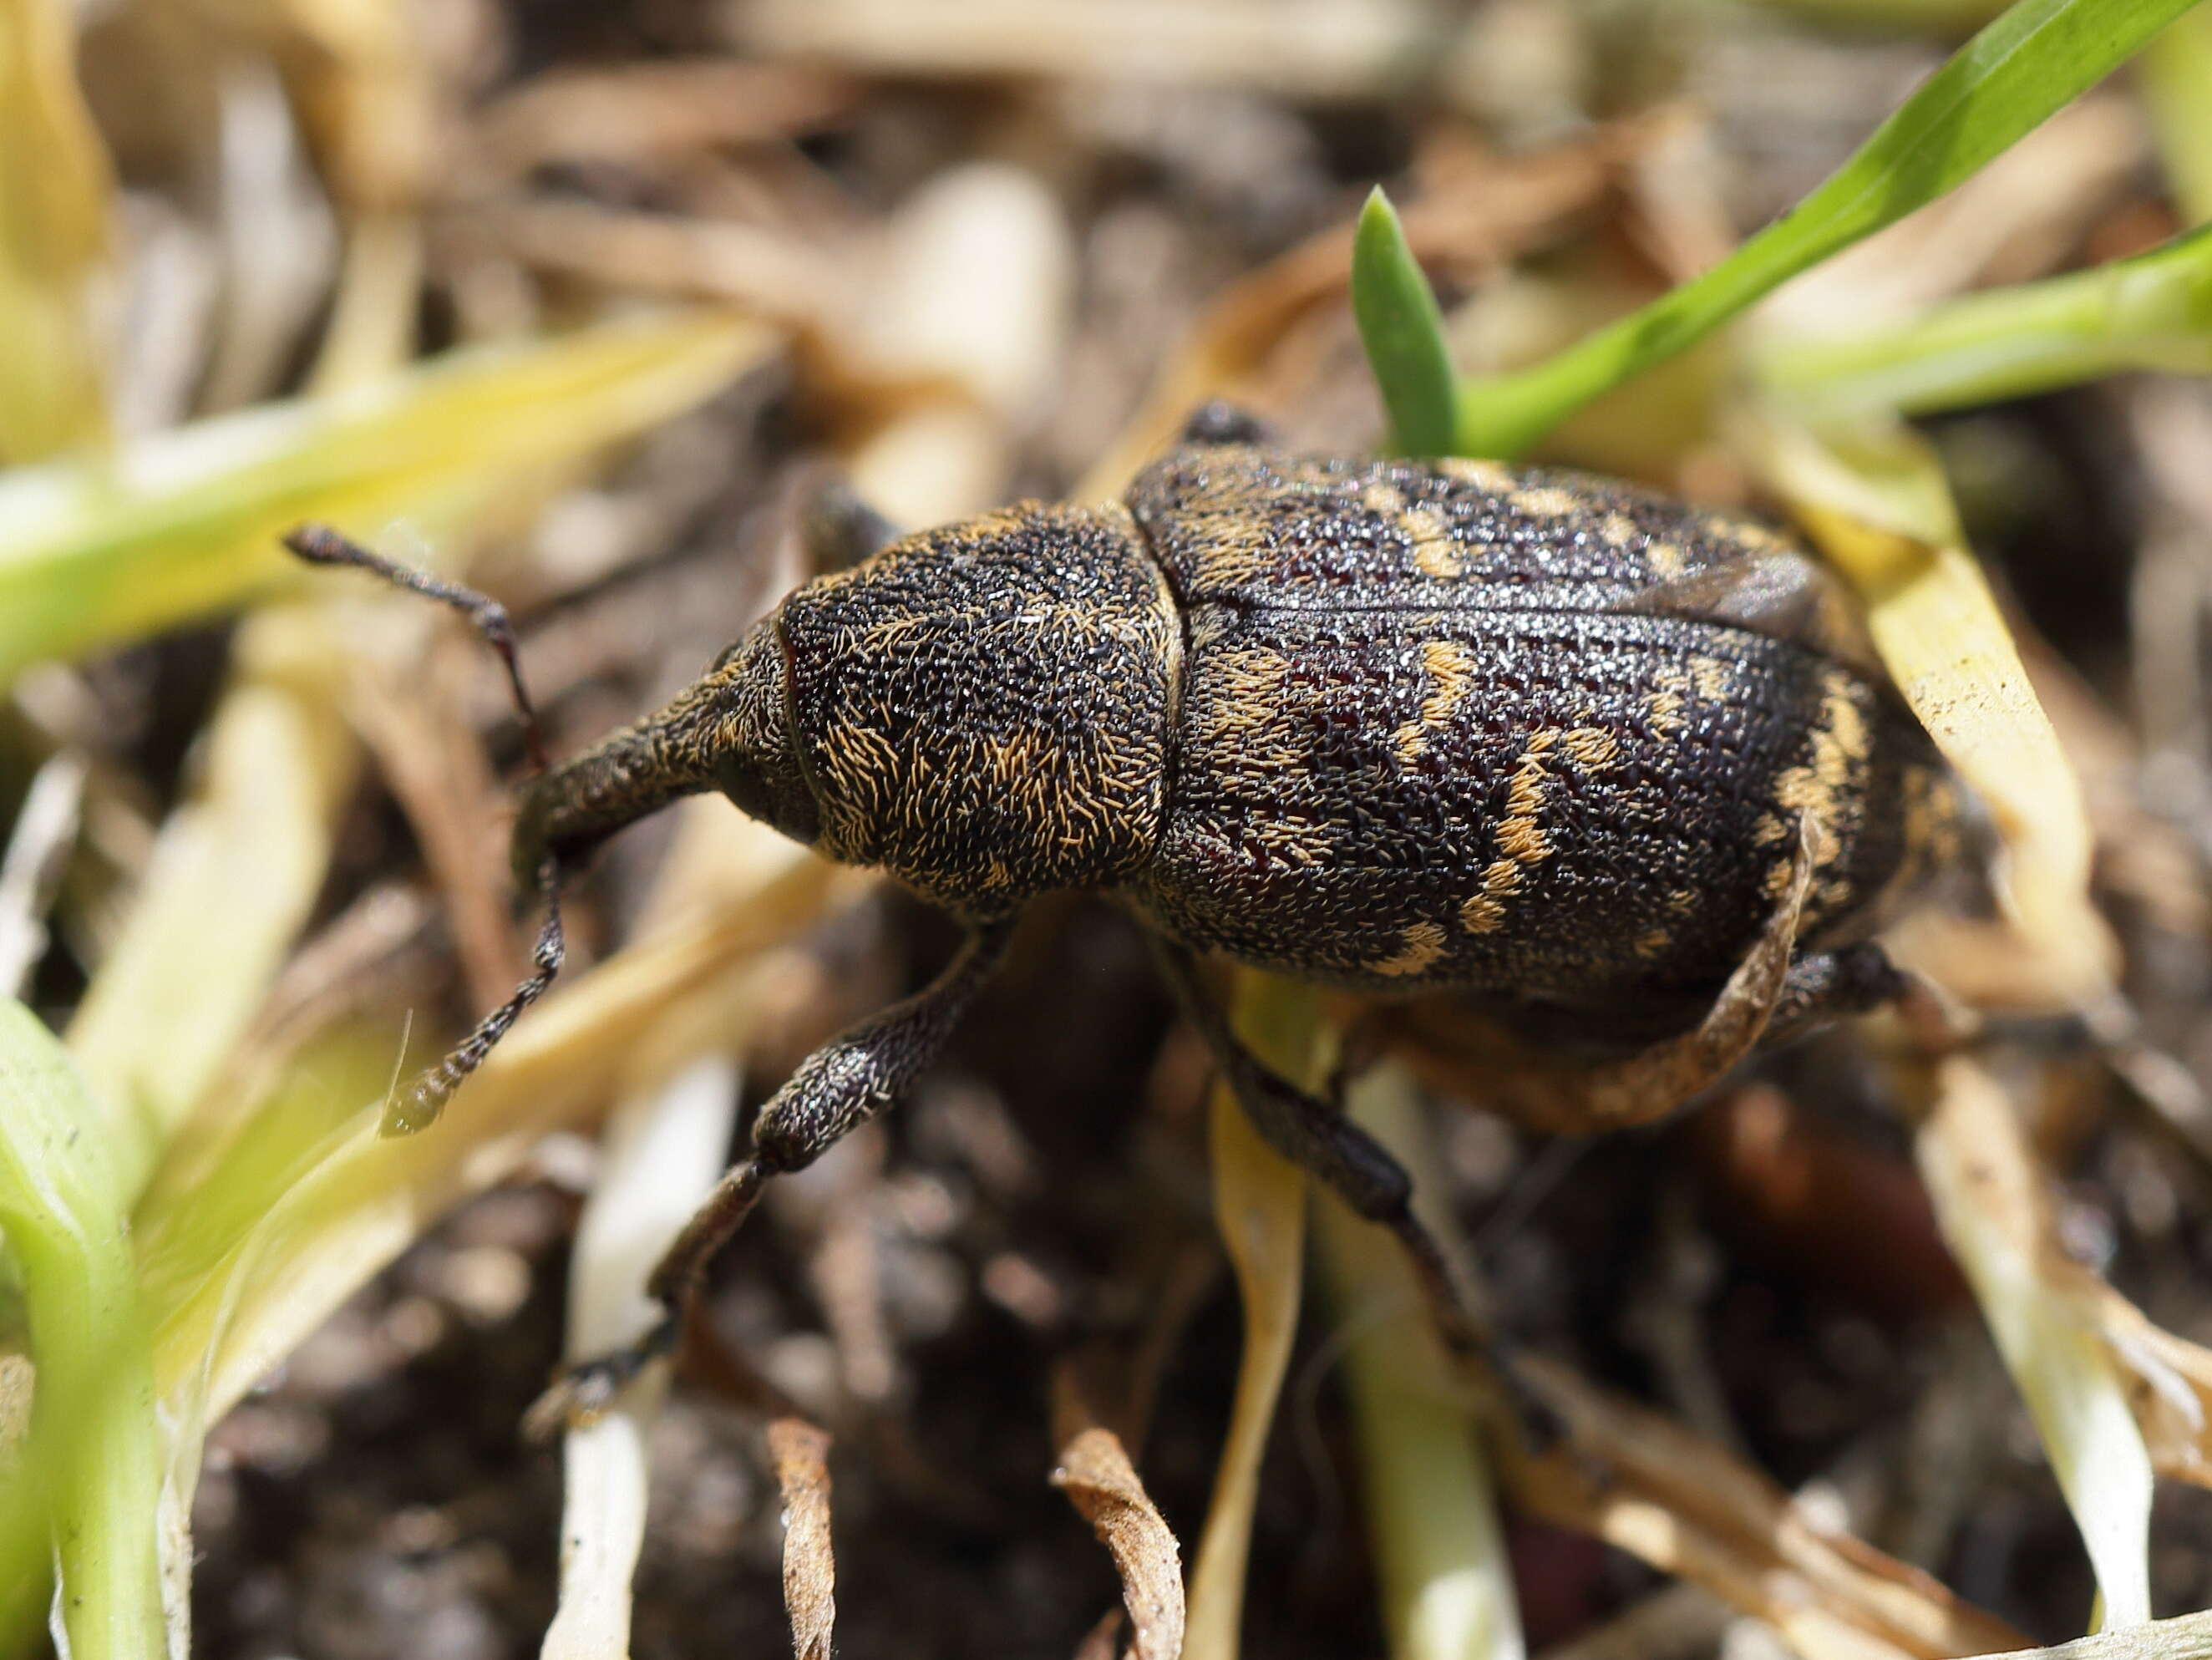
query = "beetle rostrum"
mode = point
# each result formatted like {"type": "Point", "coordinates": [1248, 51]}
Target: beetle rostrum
{"type": "Point", "coordinates": [1541, 739]}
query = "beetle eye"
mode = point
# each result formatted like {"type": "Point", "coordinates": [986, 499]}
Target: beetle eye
{"type": "Point", "coordinates": [778, 799]}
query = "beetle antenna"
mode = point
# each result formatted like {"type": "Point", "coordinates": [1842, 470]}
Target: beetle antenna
{"type": "Point", "coordinates": [418, 1107]}
{"type": "Point", "coordinates": [318, 544]}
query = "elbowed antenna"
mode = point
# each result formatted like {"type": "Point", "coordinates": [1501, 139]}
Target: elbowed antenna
{"type": "Point", "coordinates": [418, 1106]}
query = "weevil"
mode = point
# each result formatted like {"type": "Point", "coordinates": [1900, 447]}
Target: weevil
{"type": "Point", "coordinates": [1395, 726]}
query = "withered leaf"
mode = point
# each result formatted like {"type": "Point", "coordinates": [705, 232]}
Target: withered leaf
{"type": "Point", "coordinates": [1101, 1484]}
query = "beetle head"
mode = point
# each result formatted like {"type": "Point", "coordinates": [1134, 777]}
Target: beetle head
{"type": "Point", "coordinates": [730, 731]}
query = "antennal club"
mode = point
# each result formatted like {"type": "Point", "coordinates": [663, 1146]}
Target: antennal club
{"type": "Point", "coordinates": [418, 1106]}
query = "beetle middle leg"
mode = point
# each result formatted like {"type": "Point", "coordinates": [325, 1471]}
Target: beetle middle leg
{"type": "Point", "coordinates": [1317, 1136]}
{"type": "Point", "coordinates": [835, 1090]}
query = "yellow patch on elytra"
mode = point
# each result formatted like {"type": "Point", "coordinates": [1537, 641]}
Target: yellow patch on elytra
{"type": "Point", "coordinates": [1652, 943]}
{"type": "Point", "coordinates": [1293, 840]}
{"type": "Point", "coordinates": [1666, 559]}
{"type": "Point", "coordinates": [1618, 529]}
{"type": "Point", "coordinates": [1521, 838]}
{"type": "Point", "coordinates": [1931, 823]}
{"type": "Point", "coordinates": [1487, 910]}
{"type": "Point", "coordinates": [1768, 831]}
{"type": "Point", "coordinates": [1451, 668]}
{"type": "Point", "coordinates": [1591, 748]}
{"type": "Point", "coordinates": [1681, 902]}
{"type": "Point", "coordinates": [1422, 944]}
{"type": "Point", "coordinates": [1663, 712]}
{"type": "Point", "coordinates": [1380, 496]}
{"type": "Point", "coordinates": [1238, 707]}
{"type": "Point", "coordinates": [1435, 553]}
{"type": "Point", "coordinates": [1485, 914]}
{"type": "Point", "coordinates": [1483, 475]}
{"type": "Point", "coordinates": [1710, 675]}
{"type": "Point", "coordinates": [1237, 547]}
{"type": "Point", "coordinates": [1826, 785]}
{"type": "Point", "coordinates": [1843, 722]}
{"type": "Point", "coordinates": [1546, 502]}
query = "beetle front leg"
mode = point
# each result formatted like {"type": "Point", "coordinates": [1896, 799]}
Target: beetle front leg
{"type": "Point", "coordinates": [1316, 1136]}
{"type": "Point", "coordinates": [835, 1090]}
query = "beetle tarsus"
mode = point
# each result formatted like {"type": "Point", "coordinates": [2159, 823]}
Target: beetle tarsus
{"type": "Point", "coordinates": [584, 1392]}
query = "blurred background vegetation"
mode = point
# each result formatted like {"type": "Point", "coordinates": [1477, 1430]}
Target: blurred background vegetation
{"type": "Point", "coordinates": [1870, 1356]}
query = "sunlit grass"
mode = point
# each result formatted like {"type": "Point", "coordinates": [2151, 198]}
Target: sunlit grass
{"type": "Point", "coordinates": [90, 1476]}
{"type": "Point", "coordinates": [2022, 68]}
{"type": "Point", "coordinates": [181, 524]}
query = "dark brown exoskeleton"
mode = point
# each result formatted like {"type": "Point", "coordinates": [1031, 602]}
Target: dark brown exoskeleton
{"type": "Point", "coordinates": [1395, 726]}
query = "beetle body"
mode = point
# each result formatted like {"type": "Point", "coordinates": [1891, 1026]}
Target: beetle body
{"type": "Point", "coordinates": [1391, 725]}
{"type": "Point", "coordinates": [1395, 726]}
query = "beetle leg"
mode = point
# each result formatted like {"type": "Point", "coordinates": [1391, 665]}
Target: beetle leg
{"type": "Point", "coordinates": [1827, 985]}
{"type": "Point", "coordinates": [838, 529]}
{"type": "Point", "coordinates": [1223, 422]}
{"type": "Point", "coordinates": [1317, 1137]}
{"type": "Point", "coordinates": [839, 1087]}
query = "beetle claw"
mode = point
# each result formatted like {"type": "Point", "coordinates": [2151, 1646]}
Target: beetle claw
{"type": "Point", "coordinates": [585, 1391]}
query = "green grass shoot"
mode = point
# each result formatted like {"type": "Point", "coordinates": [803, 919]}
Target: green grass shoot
{"type": "Point", "coordinates": [1402, 331]}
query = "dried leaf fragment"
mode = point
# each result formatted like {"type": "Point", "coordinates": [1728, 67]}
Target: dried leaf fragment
{"type": "Point", "coordinates": [1648, 1487]}
{"type": "Point", "coordinates": [1103, 1487]}
{"type": "Point", "coordinates": [801, 1452]}
{"type": "Point", "coordinates": [1260, 1207]}
{"type": "Point", "coordinates": [1992, 1198]}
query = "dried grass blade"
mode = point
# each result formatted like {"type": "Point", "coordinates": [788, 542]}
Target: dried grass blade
{"type": "Point", "coordinates": [663, 1149]}
{"type": "Point", "coordinates": [1876, 503]}
{"type": "Point", "coordinates": [1338, 49]}
{"type": "Point", "coordinates": [1103, 1487]}
{"type": "Point", "coordinates": [1991, 1199]}
{"type": "Point", "coordinates": [2188, 1638]}
{"type": "Point", "coordinates": [1260, 1206]}
{"type": "Point", "coordinates": [1495, 212]}
{"type": "Point", "coordinates": [57, 192]}
{"type": "Point", "coordinates": [801, 1453]}
{"type": "Point", "coordinates": [1648, 1487]}
{"type": "Point", "coordinates": [235, 873]}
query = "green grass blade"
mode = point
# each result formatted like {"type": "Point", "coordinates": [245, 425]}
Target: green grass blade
{"type": "Point", "coordinates": [1403, 330]}
{"type": "Point", "coordinates": [2175, 77]}
{"type": "Point", "coordinates": [1999, 86]}
{"type": "Point", "coordinates": [92, 1465]}
{"type": "Point", "coordinates": [2151, 312]}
